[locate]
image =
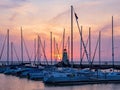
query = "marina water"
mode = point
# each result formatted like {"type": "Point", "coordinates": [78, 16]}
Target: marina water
{"type": "Point", "coordinates": [14, 83]}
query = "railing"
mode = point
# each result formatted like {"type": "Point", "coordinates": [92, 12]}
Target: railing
{"type": "Point", "coordinates": [54, 62]}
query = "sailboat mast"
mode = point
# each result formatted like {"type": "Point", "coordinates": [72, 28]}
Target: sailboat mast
{"type": "Point", "coordinates": [72, 35]}
{"type": "Point", "coordinates": [44, 50]}
{"type": "Point", "coordinates": [38, 50]}
{"type": "Point", "coordinates": [11, 52]}
{"type": "Point", "coordinates": [89, 44]}
{"type": "Point", "coordinates": [63, 39]}
{"type": "Point", "coordinates": [81, 46]}
{"type": "Point", "coordinates": [112, 44]}
{"type": "Point", "coordinates": [68, 47]}
{"type": "Point", "coordinates": [51, 45]}
{"type": "Point", "coordinates": [21, 46]}
{"type": "Point", "coordinates": [8, 47]}
{"type": "Point", "coordinates": [34, 50]}
{"type": "Point", "coordinates": [54, 50]}
{"type": "Point", "coordinates": [100, 48]}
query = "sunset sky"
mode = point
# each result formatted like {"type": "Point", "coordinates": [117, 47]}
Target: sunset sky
{"type": "Point", "coordinates": [45, 16]}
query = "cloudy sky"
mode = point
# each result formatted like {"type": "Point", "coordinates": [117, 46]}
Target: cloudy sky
{"type": "Point", "coordinates": [45, 16]}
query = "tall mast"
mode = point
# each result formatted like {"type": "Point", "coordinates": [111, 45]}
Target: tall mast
{"type": "Point", "coordinates": [44, 50]}
{"type": "Point", "coordinates": [81, 46]}
{"type": "Point", "coordinates": [100, 48]}
{"type": "Point", "coordinates": [54, 50]}
{"type": "Point", "coordinates": [51, 45]}
{"type": "Point", "coordinates": [8, 47]}
{"type": "Point", "coordinates": [68, 47]}
{"type": "Point", "coordinates": [38, 50]}
{"type": "Point", "coordinates": [72, 35]}
{"type": "Point", "coordinates": [11, 52]}
{"type": "Point", "coordinates": [63, 39]}
{"type": "Point", "coordinates": [89, 44]}
{"type": "Point", "coordinates": [112, 44]}
{"type": "Point", "coordinates": [34, 50]}
{"type": "Point", "coordinates": [21, 46]}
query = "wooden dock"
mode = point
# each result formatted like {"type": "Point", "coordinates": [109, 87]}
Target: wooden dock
{"type": "Point", "coordinates": [96, 65]}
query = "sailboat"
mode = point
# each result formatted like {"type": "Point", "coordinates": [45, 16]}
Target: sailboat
{"type": "Point", "coordinates": [69, 75]}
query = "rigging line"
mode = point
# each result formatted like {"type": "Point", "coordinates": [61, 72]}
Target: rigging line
{"type": "Point", "coordinates": [82, 38]}
{"type": "Point", "coordinates": [57, 50]}
{"type": "Point", "coordinates": [3, 47]}
{"type": "Point", "coordinates": [84, 51]}
{"type": "Point", "coordinates": [16, 53]}
{"type": "Point", "coordinates": [43, 48]}
{"type": "Point", "coordinates": [35, 60]}
{"type": "Point", "coordinates": [60, 46]}
{"type": "Point", "coordinates": [27, 51]}
{"type": "Point", "coordinates": [32, 55]}
{"type": "Point", "coordinates": [95, 51]}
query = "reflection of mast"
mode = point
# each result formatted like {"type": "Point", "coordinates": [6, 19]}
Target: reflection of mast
{"type": "Point", "coordinates": [72, 35]}
{"type": "Point", "coordinates": [112, 44]}
{"type": "Point", "coordinates": [8, 47]}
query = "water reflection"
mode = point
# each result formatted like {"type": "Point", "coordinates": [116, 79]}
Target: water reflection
{"type": "Point", "coordinates": [16, 83]}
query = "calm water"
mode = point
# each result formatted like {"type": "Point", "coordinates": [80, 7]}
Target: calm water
{"type": "Point", "coordinates": [15, 83]}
